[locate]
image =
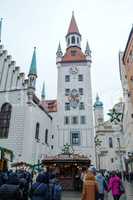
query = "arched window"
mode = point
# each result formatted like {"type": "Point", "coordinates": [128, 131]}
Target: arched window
{"type": "Point", "coordinates": [110, 142]}
{"type": "Point", "coordinates": [37, 131]}
{"type": "Point", "coordinates": [5, 116]}
{"type": "Point", "coordinates": [73, 40]}
{"type": "Point", "coordinates": [68, 41]}
{"type": "Point", "coordinates": [46, 136]}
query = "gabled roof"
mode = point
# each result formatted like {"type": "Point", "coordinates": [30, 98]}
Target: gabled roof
{"type": "Point", "coordinates": [51, 105]}
{"type": "Point", "coordinates": [73, 28]}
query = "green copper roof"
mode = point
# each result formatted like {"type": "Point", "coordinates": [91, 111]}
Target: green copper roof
{"type": "Point", "coordinates": [33, 66]}
{"type": "Point", "coordinates": [98, 103]}
{"type": "Point", "coordinates": [43, 91]}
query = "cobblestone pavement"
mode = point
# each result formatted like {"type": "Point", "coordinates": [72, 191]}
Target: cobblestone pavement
{"type": "Point", "coordinates": [77, 196]}
{"type": "Point", "coordinates": [71, 196]}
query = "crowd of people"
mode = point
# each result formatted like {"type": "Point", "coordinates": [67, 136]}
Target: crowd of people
{"type": "Point", "coordinates": [97, 184]}
{"type": "Point", "coordinates": [21, 185]}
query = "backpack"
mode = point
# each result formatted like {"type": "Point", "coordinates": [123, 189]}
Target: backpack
{"type": "Point", "coordinates": [10, 192]}
{"type": "Point", "coordinates": [122, 189]}
{"type": "Point", "coordinates": [57, 189]}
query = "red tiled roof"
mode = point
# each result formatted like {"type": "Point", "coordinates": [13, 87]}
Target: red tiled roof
{"type": "Point", "coordinates": [73, 54]}
{"type": "Point", "coordinates": [51, 105]}
{"type": "Point", "coordinates": [73, 28]}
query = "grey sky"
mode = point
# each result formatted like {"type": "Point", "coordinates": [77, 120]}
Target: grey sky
{"type": "Point", "coordinates": [42, 23]}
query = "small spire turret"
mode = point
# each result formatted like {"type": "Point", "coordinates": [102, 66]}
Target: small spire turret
{"type": "Point", "coordinates": [59, 51]}
{"type": "Point", "coordinates": [33, 67]}
{"type": "Point", "coordinates": [32, 76]}
{"type": "Point", "coordinates": [87, 50]}
{"type": "Point", "coordinates": [59, 54]}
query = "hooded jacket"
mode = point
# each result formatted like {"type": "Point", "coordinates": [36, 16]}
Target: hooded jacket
{"type": "Point", "coordinates": [101, 183]}
{"type": "Point", "coordinates": [90, 187]}
{"type": "Point", "coordinates": [114, 185]}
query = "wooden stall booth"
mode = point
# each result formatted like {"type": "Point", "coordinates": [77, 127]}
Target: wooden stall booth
{"type": "Point", "coordinates": [68, 168]}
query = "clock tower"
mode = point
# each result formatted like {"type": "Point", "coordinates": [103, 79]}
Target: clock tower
{"type": "Point", "coordinates": [74, 95]}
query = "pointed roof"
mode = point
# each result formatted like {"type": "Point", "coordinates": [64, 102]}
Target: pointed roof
{"type": "Point", "coordinates": [43, 91]}
{"type": "Point", "coordinates": [87, 50]}
{"type": "Point", "coordinates": [33, 66]}
{"type": "Point", "coordinates": [59, 51]}
{"type": "Point", "coordinates": [73, 28]}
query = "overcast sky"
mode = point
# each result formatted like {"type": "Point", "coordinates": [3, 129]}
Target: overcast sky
{"type": "Point", "coordinates": [106, 24]}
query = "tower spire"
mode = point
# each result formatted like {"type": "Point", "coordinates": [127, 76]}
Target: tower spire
{"type": "Point", "coordinates": [0, 27]}
{"type": "Point", "coordinates": [33, 66]}
{"type": "Point", "coordinates": [73, 37]}
{"type": "Point", "coordinates": [73, 28]}
{"type": "Point", "coordinates": [59, 51]}
{"type": "Point", "coordinates": [87, 50]}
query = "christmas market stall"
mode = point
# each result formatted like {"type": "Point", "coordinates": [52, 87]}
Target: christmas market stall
{"type": "Point", "coordinates": [6, 156]}
{"type": "Point", "coordinates": [68, 167]}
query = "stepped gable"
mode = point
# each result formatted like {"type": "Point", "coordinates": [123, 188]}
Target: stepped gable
{"type": "Point", "coordinates": [15, 79]}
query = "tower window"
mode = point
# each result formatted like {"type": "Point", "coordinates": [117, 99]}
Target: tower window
{"type": "Point", "coordinates": [68, 41]}
{"type": "Point", "coordinates": [73, 39]}
{"type": "Point", "coordinates": [80, 77]}
{"type": "Point", "coordinates": [81, 91]}
{"type": "Point", "coordinates": [5, 116]}
{"type": "Point", "coordinates": [112, 160]}
{"type": "Point", "coordinates": [67, 92]}
{"type": "Point", "coordinates": [75, 138]}
{"type": "Point", "coordinates": [67, 106]}
{"type": "Point", "coordinates": [77, 40]}
{"type": "Point", "coordinates": [81, 106]}
{"type": "Point", "coordinates": [73, 53]}
{"type": "Point", "coordinates": [110, 143]}
{"type": "Point", "coordinates": [37, 131]}
{"type": "Point", "coordinates": [66, 120]}
{"type": "Point", "coordinates": [52, 146]}
{"type": "Point", "coordinates": [82, 120]}
{"type": "Point", "coordinates": [74, 120]}
{"type": "Point", "coordinates": [67, 78]}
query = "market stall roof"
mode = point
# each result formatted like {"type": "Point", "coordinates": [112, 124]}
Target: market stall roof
{"type": "Point", "coordinates": [19, 164]}
{"type": "Point", "coordinates": [66, 158]}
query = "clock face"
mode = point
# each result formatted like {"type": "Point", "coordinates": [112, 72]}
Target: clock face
{"type": "Point", "coordinates": [73, 70]}
{"type": "Point", "coordinates": [74, 98]}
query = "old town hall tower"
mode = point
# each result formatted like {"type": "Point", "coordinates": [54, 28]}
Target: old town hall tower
{"type": "Point", "coordinates": [74, 95]}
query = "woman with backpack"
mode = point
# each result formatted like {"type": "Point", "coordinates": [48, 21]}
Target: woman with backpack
{"type": "Point", "coordinates": [39, 189]}
{"type": "Point", "coordinates": [57, 190]}
{"type": "Point", "coordinates": [115, 185]}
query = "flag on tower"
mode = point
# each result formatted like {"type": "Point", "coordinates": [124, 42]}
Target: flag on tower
{"type": "Point", "coordinates": [0, 28]}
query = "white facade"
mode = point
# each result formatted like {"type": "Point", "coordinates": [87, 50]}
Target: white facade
{"type": "Point", "coordinates": [128, 109]}
{"type": "Point", "coordinates": [106, 141]}
{"type": "Point", "coordinates": [73, 122]}
{"type": "Point", "coordinates": [26, 112]}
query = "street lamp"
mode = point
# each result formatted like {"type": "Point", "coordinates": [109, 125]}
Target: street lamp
{"type": "Point", "coordinates": [120, 156]}
{"type": "Point", "coordinates": [97, 145]}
